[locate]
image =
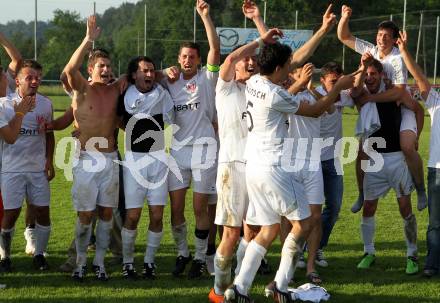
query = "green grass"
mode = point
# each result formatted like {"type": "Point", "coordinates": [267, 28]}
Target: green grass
{"type": "Point", "coordinates": [385, 282]}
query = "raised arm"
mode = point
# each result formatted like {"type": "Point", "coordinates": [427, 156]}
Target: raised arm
{"type": "Point", "coordinates": [304, 52]}
{"type": "Point", "coordinates": [13, 53]}
{"type": "Point", "coordinates": [227, 70]}
{"type": "Point", "coordinates": [213, 40]}
{"type": "Point", "coordinates": [251, 11]}
{"type": "Point", "coordinates": [304, 78]}
{"type": "Point", "coordinates": [344, 33]}
{"type": "Point", "coordinates": [76, 80]}
{"type": "Point", "coordinates": [413, 67]}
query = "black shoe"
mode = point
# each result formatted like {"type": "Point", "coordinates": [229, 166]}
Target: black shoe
{"type": "Point", "coordinates": [79, 273]}
{"type": "Point", "coordinates": [264, 268]}
{"type": "Point", "coordinates": [149, 271]}
{"type": "Point", "coordinates": [5, 265]}
{"type": "Point", "coordinates": [181, 263]}
{"type": "Point", "coordinates": [128, 271]}
{"type": "Point", "coordinates": [278, 295]}
{"type": "Point", "coordinates": [40, 262]}
{"type": "Point", "coordinates": [233, 296]}
{"type": "Point", "coordinates": [100, 273]}
{"type": "Point", "coordinates": [197, 270]}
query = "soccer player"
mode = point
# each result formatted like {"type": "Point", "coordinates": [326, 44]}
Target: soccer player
{"type": "Point", "coordinates": [94, 107]}
{"type": "Point", "coordinates": [27, 160]}
{"type": "Point", "coordinates": [232, 202]}
{"type": "Point", "coordinates": [396, 72]}
{"type": "Point", "coordinates": [393, 174]}
{"type": "Point", "coordinates": [145, 108]}
{"type": "Point", "coordinates": [273, 190]}
{"type": "Point", "coordinates": [432, 102]}
{"type": "Point", "coordinates": [194, 140]}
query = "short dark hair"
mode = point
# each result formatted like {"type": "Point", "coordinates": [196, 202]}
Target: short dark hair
{"type": "Point", "coordinates": [391, 26]}
{"type": "Point", "coordinates": [192, 45]}
{"type": "Point", "coordinates": [97, 53]}
{"type": "Point", "coordinates": [377, 65]}
{"type": "Point", "coordinates": [133, 66]}
{"type": "Point", "coordinates": [273, 55]}
{"type": "Point", "coordinates": [331, 68]}
{"type": "Point", "coordinates": [31, 64]}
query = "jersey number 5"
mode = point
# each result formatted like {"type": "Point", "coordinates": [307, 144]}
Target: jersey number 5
{"type": "Point", "coordinates": [250, 121]}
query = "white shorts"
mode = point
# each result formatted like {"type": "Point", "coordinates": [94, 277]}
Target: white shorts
{"type": "Point", "coordinates": [408, 120]}
{"type": "Point", "coordinates": [191, 164]}
{"type": "Point", "coordinates": [97, 185]}
{"type": "Point", "coordinates": [232, 194]}
{"type": "Point", "coordinates": [313, 182]}
{"type": "Point", "coordinates": [15, 187]}
{"type": "Point", "coordinates": [274, 193]}
{"type": "Point", "coordinates": [393, 175]}
{"type": "Point", "coordinates": [150, 182]}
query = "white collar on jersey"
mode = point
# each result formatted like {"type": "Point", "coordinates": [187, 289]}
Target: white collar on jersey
{"type": "Point", "coordinates": [137, 102]}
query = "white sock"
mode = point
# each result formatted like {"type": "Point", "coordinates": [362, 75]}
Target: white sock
{"type": "Point", "coordinates": [30, 235]}
{"type": "Point", "coordinates": [222, 267]}
{"type": "Point", "coordinates": [410, 229]}
{"type": "Point", "coordinates": [249, 267]}
{"type": "Point", "coordinates": [102, 241]}
{"type": "Point", "coordinates": [42, 234]}
{"type": "Point", "coordinates": [240, 254]}
{"type": "Point", "coordinates": [290, 253]}
{"type": "Point", "coordinates": [368, 228]}
{"type": "Point", "coordinates": [153, 243]}
{"type": "Point", "coordinates": [201, 244]}
{"type": "Point", "coordinates": [128, 238]}
{"type": "Point", "coordinates": [179, 235]}
{"type": "Point", "coordinates": [6, 236]}
{"type": "Point", "coordinates": [82, 238]}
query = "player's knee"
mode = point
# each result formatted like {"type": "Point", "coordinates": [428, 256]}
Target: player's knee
{"type": "Point", "coordinates": [131, 220]}
{"type": "Point", "coordinates": [369, 209]}
{"type": "Point", "coordinates": [408, 147]}
{"type": "Point", "coordinates": [231, 234]}
{"type": "Point", "coordinates": [156, 219]}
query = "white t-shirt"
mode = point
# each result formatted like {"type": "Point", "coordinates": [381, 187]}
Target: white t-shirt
{"type": "Point", "coordinates": [331, 124]}
{"type": "Point", "coordinates": [230, 102]}
{"type": "Point", "coordinates": [268, 106]}
{"type": "Point", "coordinates": [194, 101]}
{"type": "Point", "coordinates": [28, 153]}
{"type": "Point", "coordinates": [433, 107]}
{"type": "Point", "coordinates": [393, 65]}
{"type": "Point", "coordinates": [303, 130]}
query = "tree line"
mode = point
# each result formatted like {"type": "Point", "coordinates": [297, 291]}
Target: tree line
{"type": "Point", "coordinates": [169, 22]}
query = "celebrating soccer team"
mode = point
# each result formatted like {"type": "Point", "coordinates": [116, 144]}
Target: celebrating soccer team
{"type": "Point", "coordinates": [257, 141]}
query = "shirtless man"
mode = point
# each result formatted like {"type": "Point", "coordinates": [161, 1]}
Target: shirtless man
{"type": "Point", "coordinates": [94, 108]}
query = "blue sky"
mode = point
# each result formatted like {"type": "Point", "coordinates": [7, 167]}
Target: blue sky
{"type": "Point", "coordinates": [24, 9]}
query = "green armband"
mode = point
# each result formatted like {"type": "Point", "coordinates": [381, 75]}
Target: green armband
{"type": "Point", "coordinates": [213, 68]}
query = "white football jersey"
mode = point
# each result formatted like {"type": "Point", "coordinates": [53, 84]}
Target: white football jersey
{"type": "Point", "coordinates": [331, 124]}
{"type": "Point", "coordinates": [194, 101]}
{"type": "Point", "coordinates": [433, 107]}
{"type": "Point", "coordinates": [28, 153]}
{"type": "Point", "coordinates": [304, 130]}
{"type": "Point", "coordinates": [393, 65]}
{"type": "Point", "coordinates": [268, 106]}
{"type": "Point", "coordinates": [230, 102]}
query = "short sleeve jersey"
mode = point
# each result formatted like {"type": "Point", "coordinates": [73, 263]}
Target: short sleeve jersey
{"type": "Point", "coordinates": [393, 64]}
{"type": "Point", "coordinates": [230, 102]}
{"type": "Point", "coordinates": [433, 107]}
{"type": "Point", "coordinates": [331, 123]}
{"type": "Point", "coordinates": [268, 106]}
{"type": "Point", "coordinates": [193, 106]}
{"type": "Point", "coordinates": [144, 116]}
{"type": "Point", "coordinates": [304, 130]}
{"type": "Point", "coordinates": [28, 153]}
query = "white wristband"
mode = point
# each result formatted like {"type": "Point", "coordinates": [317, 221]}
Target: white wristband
{"type": "Point", "coordinates": [260, 42]}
